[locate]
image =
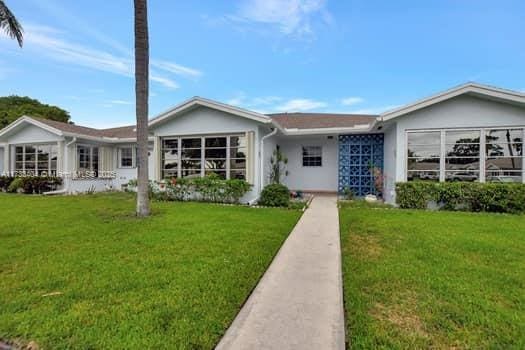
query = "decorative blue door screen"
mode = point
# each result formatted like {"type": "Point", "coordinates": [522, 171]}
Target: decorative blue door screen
{"type": "Point", "coordinates": [357, 155]}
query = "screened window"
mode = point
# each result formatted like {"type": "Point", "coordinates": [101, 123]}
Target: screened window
{"type": "Point", "coordinates": [87, 161]}
{"type": "Point", "coordinates": [126, 156]}
{"type": "Point", "coordinates": [36, 160]}
{"type": "Point", "coordinates": [466, 155]}
{"type": "Point", "coordinates": [312, 156]}
{"type": "Point", "coordinates": [224, 156]}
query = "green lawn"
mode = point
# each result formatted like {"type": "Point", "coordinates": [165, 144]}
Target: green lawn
{"type": "Point", "coordinates": [417, 279]}
{"type": "Point", "coordinates": [174, 280]}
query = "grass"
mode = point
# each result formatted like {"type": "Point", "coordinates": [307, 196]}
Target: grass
{"type": "Point", "coordinates": [419, 279]}
{"type": "Point", "coordinates": [83, 272]}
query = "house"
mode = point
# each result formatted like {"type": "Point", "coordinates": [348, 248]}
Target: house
{"type": "Point", "coordinates": [471, 132]}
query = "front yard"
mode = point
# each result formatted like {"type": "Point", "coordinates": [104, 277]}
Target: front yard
{"type": "Point", "coordinates": [417, 279]}
{"type": "Point", "coordinates": [83, 272]}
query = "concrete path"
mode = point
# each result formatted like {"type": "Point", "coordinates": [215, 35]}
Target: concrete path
{"type": "Point", "coordinates": [298, 304]}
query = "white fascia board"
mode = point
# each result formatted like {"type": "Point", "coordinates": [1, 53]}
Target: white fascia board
{"type": "Point", "coordinates": [362, 128]}
{"type": "Point", "coordinates": [469, 88]}
{"type": "Point", "coordinates": [104, 139]}
{"type": "Point", "coordinates": [199, 101]}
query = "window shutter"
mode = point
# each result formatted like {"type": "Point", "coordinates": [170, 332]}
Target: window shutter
{"type": "Point", "coordinates": [250, 157]}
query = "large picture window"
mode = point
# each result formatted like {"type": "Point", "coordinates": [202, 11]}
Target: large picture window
{"type": "Point", "coordinates": [36, 160]}
{"type": "Point", "coordinates": [466, 155]}
{"type": "Point", "coordinates": [223, 155]}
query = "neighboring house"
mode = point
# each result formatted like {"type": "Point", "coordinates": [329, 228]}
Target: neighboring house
{"type": "Point", "coordinates": [469, 133]}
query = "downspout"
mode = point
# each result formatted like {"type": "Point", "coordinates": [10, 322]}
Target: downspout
{"type": "Point", "coordinates": [261, 166]}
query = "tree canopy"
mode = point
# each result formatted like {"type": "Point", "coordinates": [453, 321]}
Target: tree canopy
{"type": "Point", "coordinates": [13, 107]}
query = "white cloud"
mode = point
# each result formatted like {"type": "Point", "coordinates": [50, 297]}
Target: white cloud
{"type": "Point", "coordinates": [176, 69]}
{"type": "Point", "coordinates": [52, 43]}
{"type": "Point", "coordinates": [120, 102]}
{"type": "Point", "coordinates": [291, 17]}
{"type": "Point", "coordinates": [350, 101]}
{"type": "Point", "coordinates": [167, 82]}
{"type": "Point", "coordinates": [300, 104]}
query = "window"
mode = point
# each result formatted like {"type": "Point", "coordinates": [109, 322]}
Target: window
{"type": "Point", "coordinates": [312, 156]}
{"type": "Point", "coordinates": [466, 155]}
{"type": "Point", "coordinates": [423, 155]}
{"type": "Point", "coordinates": [504, 155]}
{"type": "Point", "coordinates": [36, 160]}
{"type": "Point", "coordinates": [87, 161]}
{"type": "Point", "coordinates": [126, 156]}
{"type": "Point", "coordinates": [224, 156]}
{"type": "Point", "coordinates": [462, 149]}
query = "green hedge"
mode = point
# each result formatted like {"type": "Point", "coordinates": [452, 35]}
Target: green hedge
{"type": "Point", "coordinates": [275, 195]}
{"type": "Point", "coordinates": [466, 196]}
{"type": "Point", "coordinates": [29, 184]}
{"type": "Point", "coordinates": [206, 189]}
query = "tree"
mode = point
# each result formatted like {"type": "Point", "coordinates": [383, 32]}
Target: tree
{"type": "Point", "coordinates": [10, 24]}
{"type": "Point", "coordinates": [13, 107]}
{"type": "Point", "coordinates": [141, 104]}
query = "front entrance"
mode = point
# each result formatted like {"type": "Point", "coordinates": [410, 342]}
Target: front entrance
{"type": "Point", "coordinates": [357, 155]}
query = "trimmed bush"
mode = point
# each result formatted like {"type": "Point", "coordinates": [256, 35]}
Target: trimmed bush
{"type": "Point", "coordinates": [207, 189]}
{"type": "Point", "coordinates": [275, 195]}
{"type": "Point", "coordinates": [466, 196]}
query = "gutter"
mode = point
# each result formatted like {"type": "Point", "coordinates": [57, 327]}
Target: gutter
{"type": "Point", "coordinates": [261, 152]}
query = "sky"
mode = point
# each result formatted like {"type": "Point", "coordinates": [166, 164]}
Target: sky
{"type": "Point", "coordinates": [341, 56]}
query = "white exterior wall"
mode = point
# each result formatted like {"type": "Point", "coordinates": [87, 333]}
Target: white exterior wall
{"type": "Point", "coordinates": [323, 178]}
{"type": "Point", "coordinates": [269, 146]}
{"type": "Point", "coordinates": [389, 163]}
{"type": "Point", "coordinates": [32, 134]}
{"type": "Point", "coordinates": [206, 121]}
{"type": "Point", "coordinates": [2, 160]}
{"type": "Point", "coordinates": [460, 112]}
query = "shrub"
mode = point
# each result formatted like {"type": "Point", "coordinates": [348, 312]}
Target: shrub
{"type": "Point", "coordinates": [468, 196]}
{"type": "Point", "coordinates": [207, 189]}
{"type": "Point", "coordinates": [5, 181]}
{"type": "Point", "coordinates": [34, 184]}
{"type": "Point", "coordinates": [275, 195]}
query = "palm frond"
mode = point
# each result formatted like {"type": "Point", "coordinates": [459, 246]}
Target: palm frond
{"type": "Point", "coordinates": [10, 24]}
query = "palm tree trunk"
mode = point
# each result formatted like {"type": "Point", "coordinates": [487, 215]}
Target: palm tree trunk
{"type": "Point", "coordinates": [141, 104]}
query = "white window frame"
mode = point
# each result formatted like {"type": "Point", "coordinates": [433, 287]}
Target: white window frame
{"type": "Point", "coordinates": [482, 154]}
{"type": "Point", "coordinates": [133, 157]}
{"type": "Point", "coordinates": [35, 169]}
{"type": "Point", "coordinates": [179, 138]}
{"type": "Point", "coordinates": [91, 147]}
{"type": "Point", "coordinates": [320, 155]}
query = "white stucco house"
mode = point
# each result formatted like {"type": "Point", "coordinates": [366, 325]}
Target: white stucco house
{"type": "Point", "coordinates": [471, 132]}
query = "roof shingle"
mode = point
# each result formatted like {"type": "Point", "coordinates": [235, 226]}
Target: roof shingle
{"type": "Point", "coordinates": [320, 120]}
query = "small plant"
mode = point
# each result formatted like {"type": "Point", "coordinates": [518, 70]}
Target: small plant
{"type": "Point", "coordinates": [348, 194]}
{"type": "Point", "coordinates": [278, 163]}
{"type": "Point", "coordinates": [275, 195]}
{"type": "Point", "coordinates": [16, 185]}
{"type": "Point", "coordinates": [91, 190]}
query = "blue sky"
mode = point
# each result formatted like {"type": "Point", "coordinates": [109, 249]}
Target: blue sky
{"type": "Point", "coordinates": [267, 55]}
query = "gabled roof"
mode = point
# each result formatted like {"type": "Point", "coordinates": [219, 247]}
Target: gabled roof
{"type": "Point", "coordinates": [472, 89]}
{"type": "Point", "coordinates": [197, 101]}
{"type": "Point", "coordinates": [66, 129]}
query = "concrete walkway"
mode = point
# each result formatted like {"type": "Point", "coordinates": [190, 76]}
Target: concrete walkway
{"type": "Point", "coordinates": [298, 304]}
